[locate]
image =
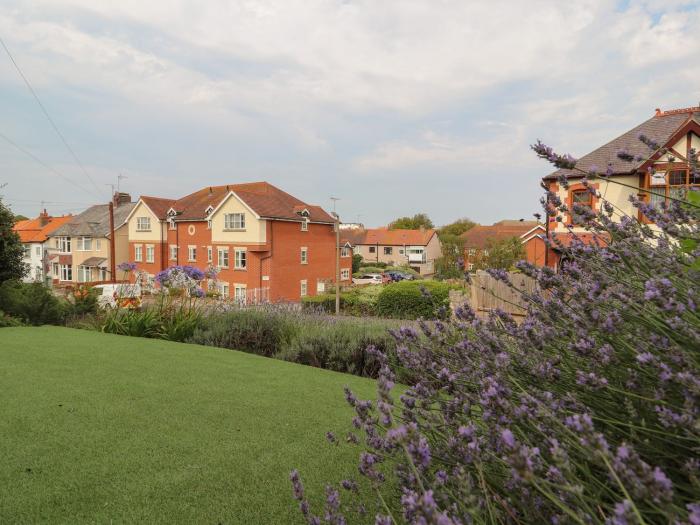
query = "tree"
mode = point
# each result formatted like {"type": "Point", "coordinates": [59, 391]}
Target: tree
{"type": "Point", "coordinates": [419, 220]}
{"type": "Point", "coordinates": [11, 250]}
{"type": "Point", "coordinates": [19, 218]}
{"type": "Point", "coordinates": [457, 227]}
{"type": "Point", "coordinates": [451, 264]}
{"type": "Point", "coordinates": [502, 254]}
{"type": "Point", "coordinates": [356, 262]}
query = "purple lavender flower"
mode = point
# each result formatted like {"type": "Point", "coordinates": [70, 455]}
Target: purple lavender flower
{"type": "Point", "coordinates": [127, 266]}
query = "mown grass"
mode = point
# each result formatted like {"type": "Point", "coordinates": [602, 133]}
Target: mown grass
{"type": "Point", "coordinates": [99, 428]}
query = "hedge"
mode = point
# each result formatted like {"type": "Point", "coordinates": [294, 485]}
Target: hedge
{"type": "Point", "coordinates": [413, 299]}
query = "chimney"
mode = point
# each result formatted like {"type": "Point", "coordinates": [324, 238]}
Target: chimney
{"type": "Point", "coordinates": [43, 218]}
{"type": "Point", "coordinates": [121, 198]}
{"type": "Point", "coordinates": [658, 112]}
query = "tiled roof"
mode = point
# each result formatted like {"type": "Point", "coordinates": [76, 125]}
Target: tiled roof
{"type": "Point", "coordinates": [480, 236]}
{"type": "Point", "coordinates": [32, 230]}
{"type": "Point", "coordinates": [387, 237]}
{"type": "Point", "coordinates": [660, 128]}
{"type": "Point", "coordinates": [158, 206]}
{"type": "Point", "coordinates": [94, 222]}
{"type": "Point", "coordinates": [263, 198]}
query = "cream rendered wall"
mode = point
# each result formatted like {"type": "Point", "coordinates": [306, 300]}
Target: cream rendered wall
{"type": "Point", "coordinates": [121, 245]}
{"type": "Point", "coordinates": [614, 193]}
{"type": "Point", "coordinates": [158, 229]}
{"type": "Point", "coordinates": [255, 229]}
{"type": "Point", "coordinates": [434, 249]}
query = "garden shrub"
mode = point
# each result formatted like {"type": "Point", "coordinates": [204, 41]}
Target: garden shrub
{"type": "Point", "coordinates": [33, 303]}
{"type": "Point", "coordinates": [135, 323]}
{"type": "Point", "coordinates": [6, 321]}
{"type": "Point", "coordinates": [587, 411]}
{"type": "Point", "coordinates": [413, 300]}
{"type": "Point", "coordinates": [372, 266]}
{"type": "Point", "coordinates": [257, 331]}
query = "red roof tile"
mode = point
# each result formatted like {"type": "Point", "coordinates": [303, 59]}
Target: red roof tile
{"type": "Point", "coordinates": [479, 236]}
{"type": "Point", "coordinates": [158, 205]}
{"type": "Point", "coordinates": [32, 230]}
{"type": "Point", "coordinates": [387, 237]}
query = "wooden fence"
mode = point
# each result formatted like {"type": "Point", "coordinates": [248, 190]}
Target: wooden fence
{"type": "Point", "coordinates": [487, 293]}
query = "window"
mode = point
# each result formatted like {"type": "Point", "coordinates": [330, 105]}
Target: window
{"type": "Point", "coordinates": [150, 253]}
{"type": "Point", "coordinates": [470, 266]}
{"type": "Point", "coordinates": [173, 252]}
{"type": "Point", "coordinates": [103, 274]}
{"type": "Point", "coordinates": [344, 274]}
{"type": "Point", "coordinates": [388, 250]}
{"type": "Point", "coordinates": [345, 251]}
{"type": "Point", "coordinates": [97, 245]}
{"type": "Point", "coordinates": [580, 198]}
{"type": "Point", "coordinates": [372, 249]}
{"type": "Point", "coordinates": [234, 221]}
{"type": "Point", "coordinates": [304, 255]}
{"type": "Point", "coordinates": [208, 224]}
{"type": "Point", "coordinates": [356, 250]}
{"type": "Point", "coordinates": [66, 272]}
{"type": "Point", "coordinates": [209, 254]}
{"type": "Point", "coordinates": [239, 294]}
{"type": "Point", "coordinates": [224, 289]}
{"type": "Point", "coordinates": [240, 259]}
{"type": "Point", "coordinates": [38, 251]}
{"type": "Point", "coordinates": [84, 244]}
{"type": "Point", "coordinates": [138, 253]}
{"type": "Point", "coordinates": [192, 253]}
{"type": "Point", "coordinates": [400, 251]}
{"type": "Point", "coordinates": [303, 288]}
{"type": "Point", "coordinates": [485, 253]}
{"type": "Point", "coordinates": [143, 224]}
{"type": "Point", "coordinates": [472, 252]}
{"type": "Point", "coordinates": [305, 225]}
{"type": "Point", "coordinates": [222, 254]}
{"type": "Point", "coordinates": [171, 224]}
{"type": "Point", "coordinates": [83, 274]}
{"type": "Point", "coordinates": [55, 270]}
{"type": "Point", "coordinates": [27, 251]}
{"type": "Point", "coordinates": [673, 184]}
{"type": "Point", "coordinates": [63, 244]}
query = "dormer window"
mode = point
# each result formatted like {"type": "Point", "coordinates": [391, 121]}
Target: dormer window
{"type": "Point", "coordinates": [209, 210]}
{"type": "Point", "coordinates": [172, 212]}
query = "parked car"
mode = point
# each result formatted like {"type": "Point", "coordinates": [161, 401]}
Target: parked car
{"type": "Point", "coordinates": [394, 276]}
{"type": "Point", "coordinates": [118, 294]}
{"type": "Point", "coordinates": [368, 278]}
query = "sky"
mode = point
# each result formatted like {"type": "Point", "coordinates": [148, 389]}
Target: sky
{"type": "Point", "coordinates": [394, 107]}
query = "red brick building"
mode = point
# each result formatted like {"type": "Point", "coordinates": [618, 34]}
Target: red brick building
{"type": "Point", "coordinates": [479, 239]}
{"type": "Point", "coordinates": [267, 244]}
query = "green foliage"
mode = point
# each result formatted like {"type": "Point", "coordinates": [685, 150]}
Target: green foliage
{"type": "Point", "coordinates": [419, 220]}
{"type": "Point", "coordinates": [373, 266]}
{"type": "Point", "coordinates": [83, 301]}
{"type": "Point", "coordinates": [356, 262]}
{"type": "Point", "coordinates": [180, 324]}
{"type": "Point", "coordinates": [413, 300]}
{"type": "Point", "coordinates": [451, 264]}
{"type": "Point", "coordinates": [20, 217]}
{"type": "Point", "coordinates": [11, 251]}
{"type": "Point", "coordinates": [135, 323]}
{"type": "Point", "coordinates": [6, 321]}
{"type": "Point", "coordinates": [502, 254]}
{"type": "Point", "coordinates": [456, 228]}
{"type": "Point", "coordinates": [33, 303]}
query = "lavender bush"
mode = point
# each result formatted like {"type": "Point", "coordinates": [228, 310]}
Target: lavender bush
{"type": "Point", "coordinates": [586, 412]}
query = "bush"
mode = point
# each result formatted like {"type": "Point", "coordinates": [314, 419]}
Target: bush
{"type": "Point", "coordinates": [6, 321]}
{"type": "Point", "coordinates": [33, 303]}
{"type": "Point", "coordinates": [82, 300]}
{"type": "Point", "coordinates": [413, 300]}
{"type": "Point", "coordinates": [372, 264]}
{"type": "Point", "coordinates": [257, 331]}
{"type": "Point", "coordinates": [587, 411]}
{"type": "Point", "coordinates": [356, 262]}
{"type": "Point", "coordinates": [135, 323]}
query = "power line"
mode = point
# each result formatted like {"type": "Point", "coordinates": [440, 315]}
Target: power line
{"type": "Point", "coordinates": [37, 159]}
{"type": "Point", "coordinates": [46, 113]}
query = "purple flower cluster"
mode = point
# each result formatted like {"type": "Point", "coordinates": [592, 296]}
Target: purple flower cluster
{"type": "Point", "coordinates": [585, 411]}
{"type": "Point", "coordinates": [126, 267]}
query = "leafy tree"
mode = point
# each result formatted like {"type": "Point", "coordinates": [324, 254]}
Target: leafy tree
{"type": "Point", "coordinates": [11, 251]}
{"type": "Point", "coordinates": [419, 220]}
{"type": "Point", "coordinates": [356, 262]}
{"type": "Point", "coordinates": [502, 254]}
{"type": "Point", "coordinates": [19, 218]}
{"type": "Point", "coordinates": [451, 264]}
{"type": "Point", "coordinates": [457, 227]}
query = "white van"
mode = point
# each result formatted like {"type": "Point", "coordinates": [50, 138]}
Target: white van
{"type": "Point", "coordinates": [107, 293]}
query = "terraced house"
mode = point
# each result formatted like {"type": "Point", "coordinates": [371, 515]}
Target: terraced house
{"type": "Point", "coordinates": [79, 251]}
{"type": "Point", "coordinates": [266, 244]}
{"type": "Point", "coordinates": [654, 175]}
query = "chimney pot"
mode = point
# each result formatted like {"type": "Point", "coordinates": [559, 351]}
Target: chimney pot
{"type": "Point", "coordinates": [658, 112]}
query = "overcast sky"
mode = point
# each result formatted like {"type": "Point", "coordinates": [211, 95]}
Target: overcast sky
{"type": "Point", "coordinates": [395, 107]}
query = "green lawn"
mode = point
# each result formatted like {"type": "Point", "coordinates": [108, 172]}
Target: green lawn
{"type": "Point", "coordinates": [98, 428]}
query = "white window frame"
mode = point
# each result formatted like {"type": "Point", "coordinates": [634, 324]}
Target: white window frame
{"type": "Point", "coordinates": [84, 244]}
{"type": "Point", "coordinates": [344, 274]}
{"type": "Point", "coordinates": [234, 221]}
{"type": "Point", "coordinates": [143, 224]}
{"type": "Point", "coordinates": [304, 255]}
{"type": "Point", "coordinates": [240, 293]}
{"type": "Point", "coordinates": [305, 225]}
{"type": "Point", "coordinates": [240, 260]}
{"type": "Point", "coordinates": [173, 252]}
{"type": "Point", "coordinates": [210, 254]}
{"type": "Point", "coordinates": [65, 272]}
{"type": "Point", "coordinates": [303, 288]}
{"type": "Point", "coordinates": [37, 251]}
{"type": "Point", "coordinates": [171, 224]}
{"type": "Point", "coordinates": [84, 274]}
{"type": "Point", "coordinates": [63, 244]}
{"type": "Point", "coordinates": [27, 251]}
{"type": "Point", "coordinates": [98, 245]}
{"type": "Point", "coordinates": [224, 289]}
{"type": "Point", "coordinates": [138, 252]}
{"type": "Point", "coordinates": [192, 253]}
{"type": "Point", "coordinates": [150, 253]}
{"type": "Point", "coordinates": [344, 251]}
{"type": "Point", "coordinates": [219, 258]}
